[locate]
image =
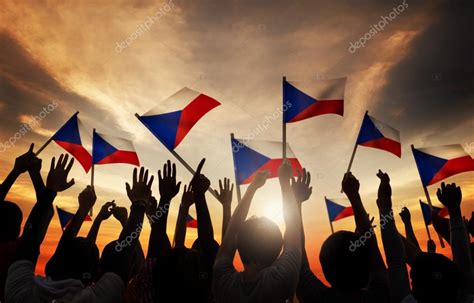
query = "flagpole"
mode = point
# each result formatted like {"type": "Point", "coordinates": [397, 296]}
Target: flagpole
{"type": "Point", "coordinates": [92, 168]}
{"type": "Point", "coordinates": [355, 147]}
{"type": "Point", "coordinates": [329, 217]}
{"type": "Point", "coordinates": [51, 138]}
{"type": "Point", "coordinates": [426, 225]}
{"type": "Point", "coordinates": [427, 194]}
{"type": "Point", "coordinates": [237, 185]}
{"type": "Point", "coordinates": [283, 119]}
{"type": "Point", "coordinates": [182, 161]}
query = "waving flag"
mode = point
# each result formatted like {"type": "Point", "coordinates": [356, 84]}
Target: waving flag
{"type": "Point", "coordinates": [108, 150]}
{"type": "Point", "coordinates": [69, 138]}
{"type": "Point", "coordinates": [337, 211]}
{"type": "Point", "coordinates": [191, 222]}
{"type": "Point", "coordinates": [438, 163]}
{"type": "Point", "coordinates": [255, 156]}
{"type": "Point", "coordinates": [374, 133]}
{"type": "Point", "coordinates": [65, 217]}
{"type": "Point", "coordinates": [306, 100]}
{"type": "Point", "coordinates": [426, 211]}
{"type": "Point", "coordinates": [170, 127]}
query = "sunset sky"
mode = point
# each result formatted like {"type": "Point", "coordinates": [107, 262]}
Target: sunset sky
{"type": "Point", "coordinates": [109, 61]}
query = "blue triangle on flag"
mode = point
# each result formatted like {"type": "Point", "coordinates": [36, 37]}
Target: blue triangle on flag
{"type": "Point", "coordinates": [69, 132]}
{"type": "Point", "coordinates": [246, 160]}
{"type": "Point", "coordinates": [101, 148]}
{"type": "Point", "coordinates": [299, 101]}
{"type": "Point", "coordinates": [164, 127]}
{"type": "Point", "coordinates": [334, 209]}
{"type": "Point", "coordinates": [428, 165]}
{"type": "Point", "coordinates": [64, 217]}
{"type": "Point", "coordinates": [368, 131]}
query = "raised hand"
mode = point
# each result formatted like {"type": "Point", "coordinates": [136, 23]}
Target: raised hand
{"type": "Point", "coordinates": [405, 215]}
{"type": "Point", "coordinates": [57, 177]}
{"type": "Point", "coordinates": [140, 191]}
{"type": "Point", "coordinates": [87, 198]}
{"type": "Point", "coordinates": [200, 183]}
{"type": "Point", "coordinates": [188, 197]}
{"type": "Point", "coordinates": [167, 182]}
{"type": "Point", "coordinates": [450, 196]}
{"type": "Point", "coordinates": [259, 179]}
{"type": "Point", "coordinates": [106, 210]}
{"type": "Point", "coordinates": [385, 191]}
{"type": "Point", "coordinates": [350, 184]}
{"type": "Point", "coordinates": [151, 207]}
{"type": "Point", "coordinates": [300, 186]}
{"type": "Point", "coordinates": [24, 162]}
{"type": "Point", "coordinates": [121, 214]}
{"type": "Point", "coordinates": [225, 192]}
{"type": "Point", "coordinates": [285, 172]}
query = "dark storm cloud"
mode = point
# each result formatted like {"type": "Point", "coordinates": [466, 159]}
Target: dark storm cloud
{"type": "Point", "coordinates": [26, 87]}
{"type": "Point", "coordinates": [432, 87]}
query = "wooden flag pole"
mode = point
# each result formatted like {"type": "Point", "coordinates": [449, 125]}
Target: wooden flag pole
{"type": "Point", "coordinates": [427, 229]}
{"type": "Point", "coordinates": [283, 120]}
{"type": "Point", "coordinates": [330, 222]}
{"type": "Point", "coordinates": [427, 194]}
{"type": "Point", "coordinates": [51, 138]}
{"type": "Point", "coordinates": [183, 162]}
{"type": "Point", "coordinates": [237, 185]}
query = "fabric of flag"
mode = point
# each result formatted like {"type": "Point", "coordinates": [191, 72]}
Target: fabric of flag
{"type": "Point", "coordinates": [107, 150]}
{"type": "Point", "coordinates": [172, 119]}
{"type": "Point", "coordinates": [65, 217]}
{"type": "Point", "coordinates": [69, 138]}
{"type": "Point", "coordinates": [337, 211]}
{"type": "Point", "coordinates": [438, 163]}
{"type": "Point", "coordinates": [374, 133]}
{"type": "Point", "coordinates": [426, 211]}
{"type": "Point", "coordinates": [255, 156]}
{"type": "Point", "coordinates": [191, 222]}
{"type": "Point", "coordinates": [303, 100]}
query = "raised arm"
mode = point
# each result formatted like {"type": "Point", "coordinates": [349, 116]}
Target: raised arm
{"type": "Point", "coordinates": [350, 186]}
{"type": "Point", "coordinates": [86, 199]}
{"type": "Point", "coordinates": [42, 213]}
{"type": "Point", "coordinates": [200, 185]}
{"type": "Point", "coordinates": [392, 243]}
{"type": "Point", "coordinates": [22, 164]}
{"type": "Point", "coordinates": [291, 213]}
{"type": "Point", "coordinates": [119, 261]}
{"type": "Point", "coordinates": [450, 196]}
{"type": "Point", "coordinates": [409, 232]}
{"type": "Point", "coordinates": [159, 241]}
{"type": "Point", "coordinates": [225, 198]}
{"type": "Point", "coordinates": [104, 213]}
{"type": "Point", "coordinates": [186, 201]}
{"type": "Point", "coordinates": [229, 244]}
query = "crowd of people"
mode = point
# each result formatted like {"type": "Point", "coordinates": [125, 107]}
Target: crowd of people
{"type": "Point", "coordinates": [276, 266]}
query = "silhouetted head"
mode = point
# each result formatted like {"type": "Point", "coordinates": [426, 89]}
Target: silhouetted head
{"type": "Point", "coordinates": [259, 241]}
{"type": "Point", "coordinates": [75, 258]}
{"type": "Point", "coordinates": [180, 267]}
{"type": "Point", "coordinates": [435, 278]}
{"type": "Point", "coordinates": [345, 260]}
{"type": "Point", "coordinates": [10, 221]}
